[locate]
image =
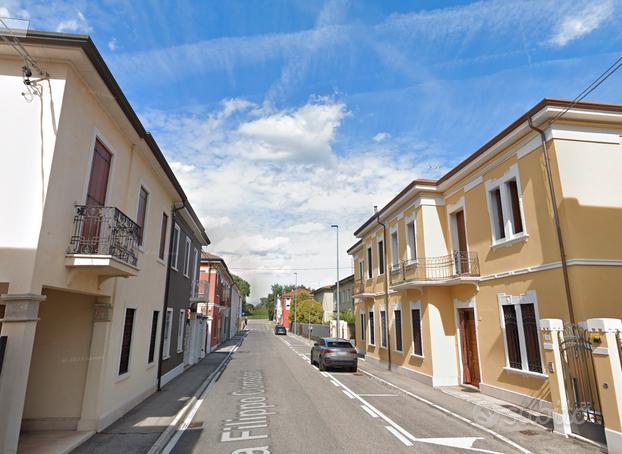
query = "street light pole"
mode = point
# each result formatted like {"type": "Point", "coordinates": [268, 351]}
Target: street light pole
{"type": "Point", "coordinates": [335, 226]}
{"type": "Point", "coordinates": [295, 304]}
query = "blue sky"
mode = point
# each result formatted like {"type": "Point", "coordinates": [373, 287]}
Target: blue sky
{"type": "Point", "coordinates": [283, 117]}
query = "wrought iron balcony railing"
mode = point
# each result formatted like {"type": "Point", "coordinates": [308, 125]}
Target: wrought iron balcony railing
{"type": "Point", "coordinates": [447, 267]}
{"type": "Point", "coordinates": [99, 230]}
{"type": "Point", "coordinates": [200, 289]}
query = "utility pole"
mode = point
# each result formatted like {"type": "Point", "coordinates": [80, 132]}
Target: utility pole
{"type": "Point", "coordinates": [295, 304]}
{"type": "Point", "coordinates": [335, 226]}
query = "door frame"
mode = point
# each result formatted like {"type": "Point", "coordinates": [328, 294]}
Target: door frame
{"type": "Point", "coordinates": [467, 304]}
{"type": "Point", "coordinates": [98, 136]}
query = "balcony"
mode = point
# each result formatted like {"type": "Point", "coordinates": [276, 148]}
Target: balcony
{"type": "Point", "coordinates": [104, 240]}
{"type": "Point", "coordinates": [358, 290]}
{"type": "Point", "coordinates": [460, 267]}
{"type": "Point", "coordinates": [199, 291]}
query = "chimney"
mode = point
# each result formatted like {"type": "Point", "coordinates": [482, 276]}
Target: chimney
{"type": "Point", "coordinates": [375, 209]}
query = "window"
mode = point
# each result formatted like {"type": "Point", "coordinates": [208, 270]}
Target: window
{"type": "Point", "coordinates": [168, 321]}
{"type": "Point", "coordinates": [520, 326]}
{"type": "Point", "coordinates": [411, 244]}
{"type": "Point", "coordinates": [397, 318]}
{"type": "Point", "coordinates": [369, 275]}
{"type": "Point", "coordinates": [175, 249]}
{"type": "Point", "coordinates": [195, 265]}
{"type": "Point", "coordinates": [187, 257]}
{"type": "Point", "coordinates": [415, 319]}
{"type": "Point", "coordinates": [361, 266]}
{"type": "Point", "coordinates": [154, 332]}
{"type": "Point", "coordinates": [142, 212]}
{"type": "Point", "coordinates": [383, 328]}
{"type": "Point", "coordinates": [126, 343]}
{"type": "Point", "coordinates": [395, 259]}
{"type": "Point", "coordinates": [362, 326]}
{"type": "Point", "coordinates": [163, 228]}
{"type": "Point", "coordinates": [372, 331]}
{"type": "Point", "coordinates": [381, 257]}
{"type": "Point", "coordinates": [504, 205]}
{"type": "Point", "coordinates": [180, 330]}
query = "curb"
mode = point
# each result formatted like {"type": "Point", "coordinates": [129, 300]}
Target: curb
{"type": "Point", "coordinates": [173, 426]}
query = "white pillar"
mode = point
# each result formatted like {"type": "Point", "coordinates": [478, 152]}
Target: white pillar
{"type": "Point", "coordinates": [93, 387]}
{"type": "Point", "coordinates": [19, 325]}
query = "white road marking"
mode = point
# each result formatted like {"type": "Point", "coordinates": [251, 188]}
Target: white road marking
{"type": "Point", "coordinates": [324, 374]}
{"type": "Point", "coordinates": [348, 394]}
{"type": "Point", "coordinates": [335, 382]}
{"type": "Point", "coordinates": [378, 395]}
{"type": "Point", "coordinates": [399, 436]}
{"type": "Point", "coordinates": [451, 413]}
{"type": "Point", "coordinates": [369, 410]}
{"type": "Point", "coordinates": [462, 442]}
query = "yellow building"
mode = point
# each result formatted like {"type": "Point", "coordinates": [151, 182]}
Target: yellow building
{"type": "Point", "coordinates": [475, 259]}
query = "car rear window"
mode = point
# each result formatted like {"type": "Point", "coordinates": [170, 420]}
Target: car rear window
{"type": "Point", "coordinates": [337, 344]}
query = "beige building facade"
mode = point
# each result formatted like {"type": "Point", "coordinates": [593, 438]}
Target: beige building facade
{"type": "Point", "coordinates": [87, 197]}
{"type": "Point", "coordinates": [472, 262]}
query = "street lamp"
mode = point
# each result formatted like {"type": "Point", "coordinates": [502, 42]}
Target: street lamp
{"type": "Point", "coordinates": [295, 304]}
{"type": "Point", "coordinates": [336, 227]}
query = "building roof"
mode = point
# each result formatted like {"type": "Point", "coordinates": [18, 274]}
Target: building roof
{"type": "Point", "coordinates": [433, 185]}
{"type": "Point", "coordinates": [84, 42]}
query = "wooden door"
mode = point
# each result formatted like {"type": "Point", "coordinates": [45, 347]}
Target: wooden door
{"type": "Point", "coordinates": [468, 348]}
{"type": "Point", "coordinates": [95, 198]}
{"type": "Point", "coordinates": [461, 256]}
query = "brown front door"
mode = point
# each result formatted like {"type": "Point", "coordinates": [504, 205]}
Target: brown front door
{"type": "Point", "coordinates": [95, 197]}
{"type": "Point", "coordinates": [468, 347]}
{"type": "Point", "coordinates": [460, 256]}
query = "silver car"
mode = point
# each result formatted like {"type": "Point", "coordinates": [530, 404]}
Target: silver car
{"type": "Point", "coordinates": [330, 352]}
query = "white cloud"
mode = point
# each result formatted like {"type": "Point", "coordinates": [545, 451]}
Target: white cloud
{"type": "Point", "coordinates": [77, 25]}
{"type": "Point", "coordinates": [306, 227]}
{"type": "Point", "coordinates": [269, 216]}
{"type": "Point", "coordinates": [112, 44]}
{"type": "Point", "coordinates": [382, 136]}
{"type": "Point", "coordinates": [581, 23]}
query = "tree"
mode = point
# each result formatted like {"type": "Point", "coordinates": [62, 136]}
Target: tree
{"type": "Point", "coordinates": [309, 311]}
{"type": "Point", "coordinates": [248, 308]}
{"type": "Point", "coordinates": [245, 287]}
{"type": "Point", "coordinates": [346, 316]}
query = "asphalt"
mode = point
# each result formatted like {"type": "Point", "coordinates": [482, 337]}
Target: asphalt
{"type": "Point", "coordinates": [269, 399]}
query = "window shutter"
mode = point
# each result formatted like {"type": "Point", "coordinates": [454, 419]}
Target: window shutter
{"type": "Point", "coordinates": [152, 340]}
{"type": "Point", "coordinates": [127, 341]}
{"type": "Point", "coordinates": [511, 336]}
{"type": "Point", "coordinates": [416, 325]}
{"type": "Point", "coordinates": [532, 343]}
{"type": "Point", "coordinates": [517, 222]}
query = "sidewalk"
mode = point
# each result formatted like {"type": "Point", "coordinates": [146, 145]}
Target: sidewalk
{"type": "Point", "coordinates": [527, 428]}
{"type": "Point", "coordinates": [137, 431]}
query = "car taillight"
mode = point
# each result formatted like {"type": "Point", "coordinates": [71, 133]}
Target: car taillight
{"type": "Point", "coordinates": [353, 351]}
{"type": "Point", "coordinates": [329, 350]}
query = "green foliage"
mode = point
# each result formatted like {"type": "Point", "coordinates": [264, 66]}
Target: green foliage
{"type": "Point", "coordinates": [245, 287]}
{"type": "Point", "coordinates": [309, 311]}
{"type": "Point", "coordinates": [346, 316]}
{"type": "Point", "coordinates": [248, 309]}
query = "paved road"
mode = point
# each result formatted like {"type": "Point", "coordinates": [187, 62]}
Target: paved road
{"type": "Point", "coordinates": [270, 399]}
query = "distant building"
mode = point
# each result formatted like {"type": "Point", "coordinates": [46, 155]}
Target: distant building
{"type": "Point", "coordinates": [346, 301]}
{"type": "Point", "coordinates": [326, 297]}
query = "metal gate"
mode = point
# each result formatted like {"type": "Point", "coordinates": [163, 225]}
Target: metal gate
{"type": "Point", "coordinates": [584, 407]}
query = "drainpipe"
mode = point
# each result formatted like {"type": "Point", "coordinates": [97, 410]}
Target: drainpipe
{"type": "Point", "coordinates": [558, 228]}
{"type": "Point", "coordinates": [386, 284]}
{"type": "Point", "coordinates": [166, 288]}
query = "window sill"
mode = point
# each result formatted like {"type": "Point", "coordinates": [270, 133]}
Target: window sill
{"type": "Point", "coordinates": [401, 352]}
{"type": "Point", "coordinates": [123, 377]}
{"type": "Point", "coordinates": [527, 373]}
{"type": "Point", "coordinates": [165, 357]}
{"type": "Point", "coordinates": [371, 345]}
{"type": "Point", "coordinates": [413, 355]}
{"type": "Point", "coordinates": [383, 348]}
{"type": "Point", "coordinates": [161, 261]}
{"type": "Point", "coordinates": [150, 365]}
{"type": "Point", "coordinates": [509, 242]}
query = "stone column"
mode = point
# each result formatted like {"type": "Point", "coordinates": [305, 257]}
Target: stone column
{"type": "Point", "coordinates": [93, 387]}
{"type": "Point", "coordinates": [19, 325]}
{"type": "Point", "coordinates": [603, 336]}
{"type": "Point", "coordinates": [551, 327]}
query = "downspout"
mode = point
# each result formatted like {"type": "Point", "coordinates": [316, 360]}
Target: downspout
{"type": "Point", "coordinates": [558, 228]}
{"type": "Point", "coordinates": [386, 286]}
{"type": "Point", "coordinates": [166, 288]}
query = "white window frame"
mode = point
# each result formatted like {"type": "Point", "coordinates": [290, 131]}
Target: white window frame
{"type": "Point", "coordinates": [398, 307]}
{"type": "Point", "coordinates": [369, 258]}
{"type": "Point", "coordinates": [501, 183]}
{"type": "Point", "coordinates": [195, 266]}
{"type": "Point", "coordinates": [411, 240]}
{"type": "Point", "coordinates": [362, 270]}
{"type": "Point", "coordinates": [187, 257]}
{"type": "Point", "coordinates": [381, 254]}
{"type": "Point", "coordinates": [176, 246]}
{"type": "Point", "coordinates": [371, 330]}
{"type": "Point", "coordinates": [516, 301]}
{"type": "Point", "coordinates": [395, 249]}
{"type": "Point", "coordinates": [416, 306]}
{"type": "Point", "coordinates": [363, 326]}
{"type": "Point", "coordinates": [129, 355]}
{"type": "Point", "coordinates": [166, 347]}
{"type": "Point", "coordinates": [181, 324]}
{"type": "Point", "coordinates": [383, 332]}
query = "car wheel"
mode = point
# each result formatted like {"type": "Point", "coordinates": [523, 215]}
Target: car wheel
{"type": "Point", "coordinates": [353, 369]}
{"type": "Point", "coordinates": [321, 365]}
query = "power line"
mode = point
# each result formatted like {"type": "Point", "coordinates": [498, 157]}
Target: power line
{"type": "Point", "coordinates": [290, 269]}
{"type": "Point", "coordinates": [591, 87]}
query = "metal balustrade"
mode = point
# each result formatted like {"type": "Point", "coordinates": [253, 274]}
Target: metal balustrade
{"type": "Point", "coordinates": [99, 230]}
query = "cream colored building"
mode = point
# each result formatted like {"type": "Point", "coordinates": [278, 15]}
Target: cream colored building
{"type": "Point", "coordinates": [80, 284]}
{"type": "Point", "coordinates": [473, 259]}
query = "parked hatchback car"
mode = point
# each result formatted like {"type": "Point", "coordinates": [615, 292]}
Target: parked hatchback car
{"type": "Point", "coordinates": [330, 352]}
{"type": "Point", "coordinates": [280, 329]}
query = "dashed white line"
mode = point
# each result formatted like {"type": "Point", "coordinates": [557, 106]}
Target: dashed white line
{"type": "Point", "coordinates": [347, 393]}
{"type": "Point", "coordinates": [369, 411]}
{"type": "Point", "coordinates": [399, 436]}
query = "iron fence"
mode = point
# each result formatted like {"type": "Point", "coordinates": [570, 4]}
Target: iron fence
{"type": "Point", "coordinates": [99, 230]}
{"type": "Point", "coordinates": [452, 266]}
